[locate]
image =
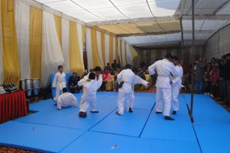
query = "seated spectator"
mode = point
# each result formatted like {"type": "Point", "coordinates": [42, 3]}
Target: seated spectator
{"type": "Point", "coordinates": [108, 67]}
{"type": "Point", "coordinates": [115, 65]}
{"type": "Point", "coordinates": [115, 86]}
{"type": "Point", "coordinates": [66, 100]}
{"type": "Point", "coordinates": [73, 80]}
{"type": "Point", "coordinates": [106, 76]}
{"type": "Point", "coordinates": [207, 80]}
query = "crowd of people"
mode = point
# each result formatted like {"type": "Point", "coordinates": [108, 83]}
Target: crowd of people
{"type": "Point", "coordinates": [211, 77]}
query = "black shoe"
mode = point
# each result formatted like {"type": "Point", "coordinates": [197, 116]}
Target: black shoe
{"type": "Point", "coordinates": [130, 110]}
{"type": "Point", "coordinates": [94, 111]}
{"type": "Point", "coordinates": [169, 118]}
{"type": "Point", "coordinates": [117, 113]}
{"type": "Point", "coordinates": [82, 114]}
{"type": "Point", "coordinates": [158, 112]}
{"type": "Point", "coordinates": [174, 112]}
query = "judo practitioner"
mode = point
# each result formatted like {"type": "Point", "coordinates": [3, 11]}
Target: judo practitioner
{"type": "Point", "coordinates": [59, 82]}
{"type": "Point", "coordinates": [90, 86]}
{"type": "Point", "coordinates": [165, 69]}
{"type": "Point", "coordinates": [66, 100]}
{"type": "Point", "coordinates": [176, 85]}
{"type": "Point", "coordinates": [125, 79]}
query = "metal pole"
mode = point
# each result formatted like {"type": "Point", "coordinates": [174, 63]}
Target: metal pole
{"type": "Point", "coordinates": [193, 55]}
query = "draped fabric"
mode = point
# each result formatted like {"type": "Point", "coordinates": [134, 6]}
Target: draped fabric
{"type": "Point", "coordinates": [11, 63]}
{"type": "Point", "coordinates": [51, 51]}
{"type": "Point", "coordinates": [75, 58]}
{"type": "Point", "coordinates": [103, 46]}
{"type": "Point", "coordinates": [116, 48]}
{"type": "Point", "coordinates": [58, 23]}
{"type": "Point", "coordinates": [123, 53]}
{"type": "Point", "coordinates": [111, 49]}
{"type": "Point", "coordinates": [35, 46]}
{"type": "Point", "coordinates": [89, 49]}
{"type": "Point", "coordinates": [22, 18]}
{"type": "Point", "coordinates": [81, 33]}
{"type": "Point", "coordinates": [1, 47]}
{"type": "Point", "coordinates": [120, 52]}
{"type": "Point", "coordinates": [129, 55]}
{"type": "Point", "coordinates": [106, 49]}
{"type": "Point", "coordinates": [99, 48]}
{"type": "Point", "coordinates": [126, 54]}
{"type": "Point", "coordinates": [134, 55]}
{"type": "Point", "coordinates": [95, 54]}
{"type": "Point", "coordinates": [65, 44]}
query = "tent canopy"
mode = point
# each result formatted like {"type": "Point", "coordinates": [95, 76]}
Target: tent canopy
{"type": "Point", "coordinates": [149, 22]}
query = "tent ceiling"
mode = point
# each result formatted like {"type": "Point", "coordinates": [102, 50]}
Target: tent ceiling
{"type": "Point", "coordinates": [149, 22]}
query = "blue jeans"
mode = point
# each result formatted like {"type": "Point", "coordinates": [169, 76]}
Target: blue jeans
{"type": "Point", "coordinates": [199, 87]}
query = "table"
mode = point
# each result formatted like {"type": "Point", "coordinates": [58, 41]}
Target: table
{"type": "Point", "coordinates": [12, 105]}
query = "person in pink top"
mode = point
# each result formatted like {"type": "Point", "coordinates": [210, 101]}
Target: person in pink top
{"type": "Point", "coordinates": [215, 81]}
{"type": "Point", "coordinates": [106, 76]}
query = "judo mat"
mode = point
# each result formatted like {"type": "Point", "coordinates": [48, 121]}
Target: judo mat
{"type": "Point", "coordinates": [52, 130]}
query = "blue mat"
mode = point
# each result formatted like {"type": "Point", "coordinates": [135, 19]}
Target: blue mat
{"type": "Point", "coordinates": [102, 143]}
{"type": "Point", "coordinates": [37, 137]}
{"type": "Point", "coordinates": [179, 130]}
{"type": "Point", "coordinates": [129, 124]}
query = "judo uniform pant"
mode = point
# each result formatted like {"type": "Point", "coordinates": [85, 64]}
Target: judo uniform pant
{"type": "Point", "coordinates": [163, 94]}
{"type": "Point", "coordinates": [58, 91]}
{"type": "Point", "coordinates": [132, 100]}
{"type": "Point", "coordinates": [87, 101]}
{"type": "Point", "coordinates": [123, 99]}
{"type": "Point", "coordinates": [175, 94]}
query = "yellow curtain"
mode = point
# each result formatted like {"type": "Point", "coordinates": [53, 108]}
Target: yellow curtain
{"type": "Point", "coordinates": [103, 47]}
{"type": "Point", "coordinates": [121, 53]}
{"type": "Point", "coordinates": [135, 55]}
{"type": "Point", "coordinates": [75, 59]}
{"type": "Point", "coordinates": [116, 47]}
{"type": "Point", "coordinates": [58, 23]}
{"type": "Point", "coordinates": [35, 42]}
{"type": "Point", "coordinates": [96, 59]}
{"type": "Point", "coordinates": [111, 58]}
{"type": "Point", "coordinates": [11, 64]}
{"type": "Point", "coordinates": [83, 34]}
{"type": "Point", "coordinates": [126, 57]}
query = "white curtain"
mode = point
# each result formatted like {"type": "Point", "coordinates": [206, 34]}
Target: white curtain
{"type": "Point", "coordinates": [100, 48]}
{"type": "Point", "coordinates": [1, 50]}
{"type": "Point", "coordinates": [22, 19]}
{"type": "Point", "coordinates": [106, 49]}
{"type": "Point", "coordinates": [79, 28]}
{"type": "Point", "coordinates": [129, 55]}
{"type": "Point", "coordinates": [89, 49]}
{"type": "Point", "coordinates": [51, 50]}
{"type": "Point", "coordinates": [65, 43]}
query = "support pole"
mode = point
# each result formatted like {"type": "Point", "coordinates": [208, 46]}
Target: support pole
{"type": "Point", "coordinates": [193, 57]}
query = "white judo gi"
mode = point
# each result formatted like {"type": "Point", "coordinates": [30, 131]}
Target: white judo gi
{"type": "Point", "coordinates": [165, 69]}
{"type": "Point", "coordinates": [125, 92]}
{"type": "Point", "coordinates": [66, 100]}
{"type": "Point", "coordinates": [136, 80]}
{"type": "Point", "coordinates": [176, 86]}
{"type": "Point", "coordinates": [89, 93]}
{"type": "Point", "coordinates": [59, 83]}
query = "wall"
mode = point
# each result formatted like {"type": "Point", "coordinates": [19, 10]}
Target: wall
{"type": "Point", "coordinates": [218, 44]}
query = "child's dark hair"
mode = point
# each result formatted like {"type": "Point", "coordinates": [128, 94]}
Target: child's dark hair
{"type": "Point", "coordinates": [64, 90]}
{"type": "Point", "coordinates": [92, 76]}
{"type": "Point", "coordinates": [60, 66]}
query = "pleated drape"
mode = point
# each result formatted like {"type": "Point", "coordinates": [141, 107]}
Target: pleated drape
{"type": "Point", "coordinates": [116, 48]}
{"type": "Point", "coordinates": [111, 49]}
{"type": "Point", "coordinates": [65, 43]}
{"type": "Point", "coordinates": [89, 49]}
{"type": "Point", "coordinates": [1, 47]}
{"type": "Point", "coordinates": [120, 52]}
{"type": "Point", "coordinates": [35, 45]}
{"type": "Point", "coordinates": [99, 48]}
{"type": "Point", "coordinates": [106, 49]}
{"type": "Point", "coordinates": [75, 59]}
{"type": "Point", "coordinates": [22, 18]}
{"type": "Point", "coordinates": [134, 55]}
{"type": "Point", "coordinates": [103, 46]}
{"type": "Point", "coordinates": [11, 63]}
{"type": "Point", "coordinates": [58, 24]}
{"type": "Point", "coordinates": [95, 54]}
{"type": "Point", "coordinates": [126, 54]}
{"type": "Point", "coordinates": [80, 38]}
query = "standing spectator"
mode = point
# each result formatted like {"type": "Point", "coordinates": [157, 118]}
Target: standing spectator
{"type": "Point", "coordinates": [215, 81]}
{"type": "Point", "coordinates": [73, 80]}
{"type": "Point", "coordinates": [200, 68]}
{"type": "Point", "coordinates": [115, 65]}
{"type": "Point", "coordinates": [106, 76]}
{"type": "Point", "coordinates": [221, 75]}
{"type": "Point", "coordinates": [207, 80]}
{"type": "Point", "coordinates": [227, 79]}
{"type": "Point", "coordinates": [185, 79]}
{"type": "Point", "coordinates": [108, 67]}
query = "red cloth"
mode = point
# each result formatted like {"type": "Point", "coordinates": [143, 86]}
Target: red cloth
{"type": "Point", "coordinates": [214, 77]}
{"type": "Point", "coordinates": [106, 76]}
{"type": "Point", "coordinates": [12, 105]}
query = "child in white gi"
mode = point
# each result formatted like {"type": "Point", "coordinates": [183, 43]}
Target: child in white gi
{"type": "Point", "coordinates": [66, 100]}
{"type": "Point", "coordinates": [90, 87]}
{"type": "Point", "coordinates": [59, 82]}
